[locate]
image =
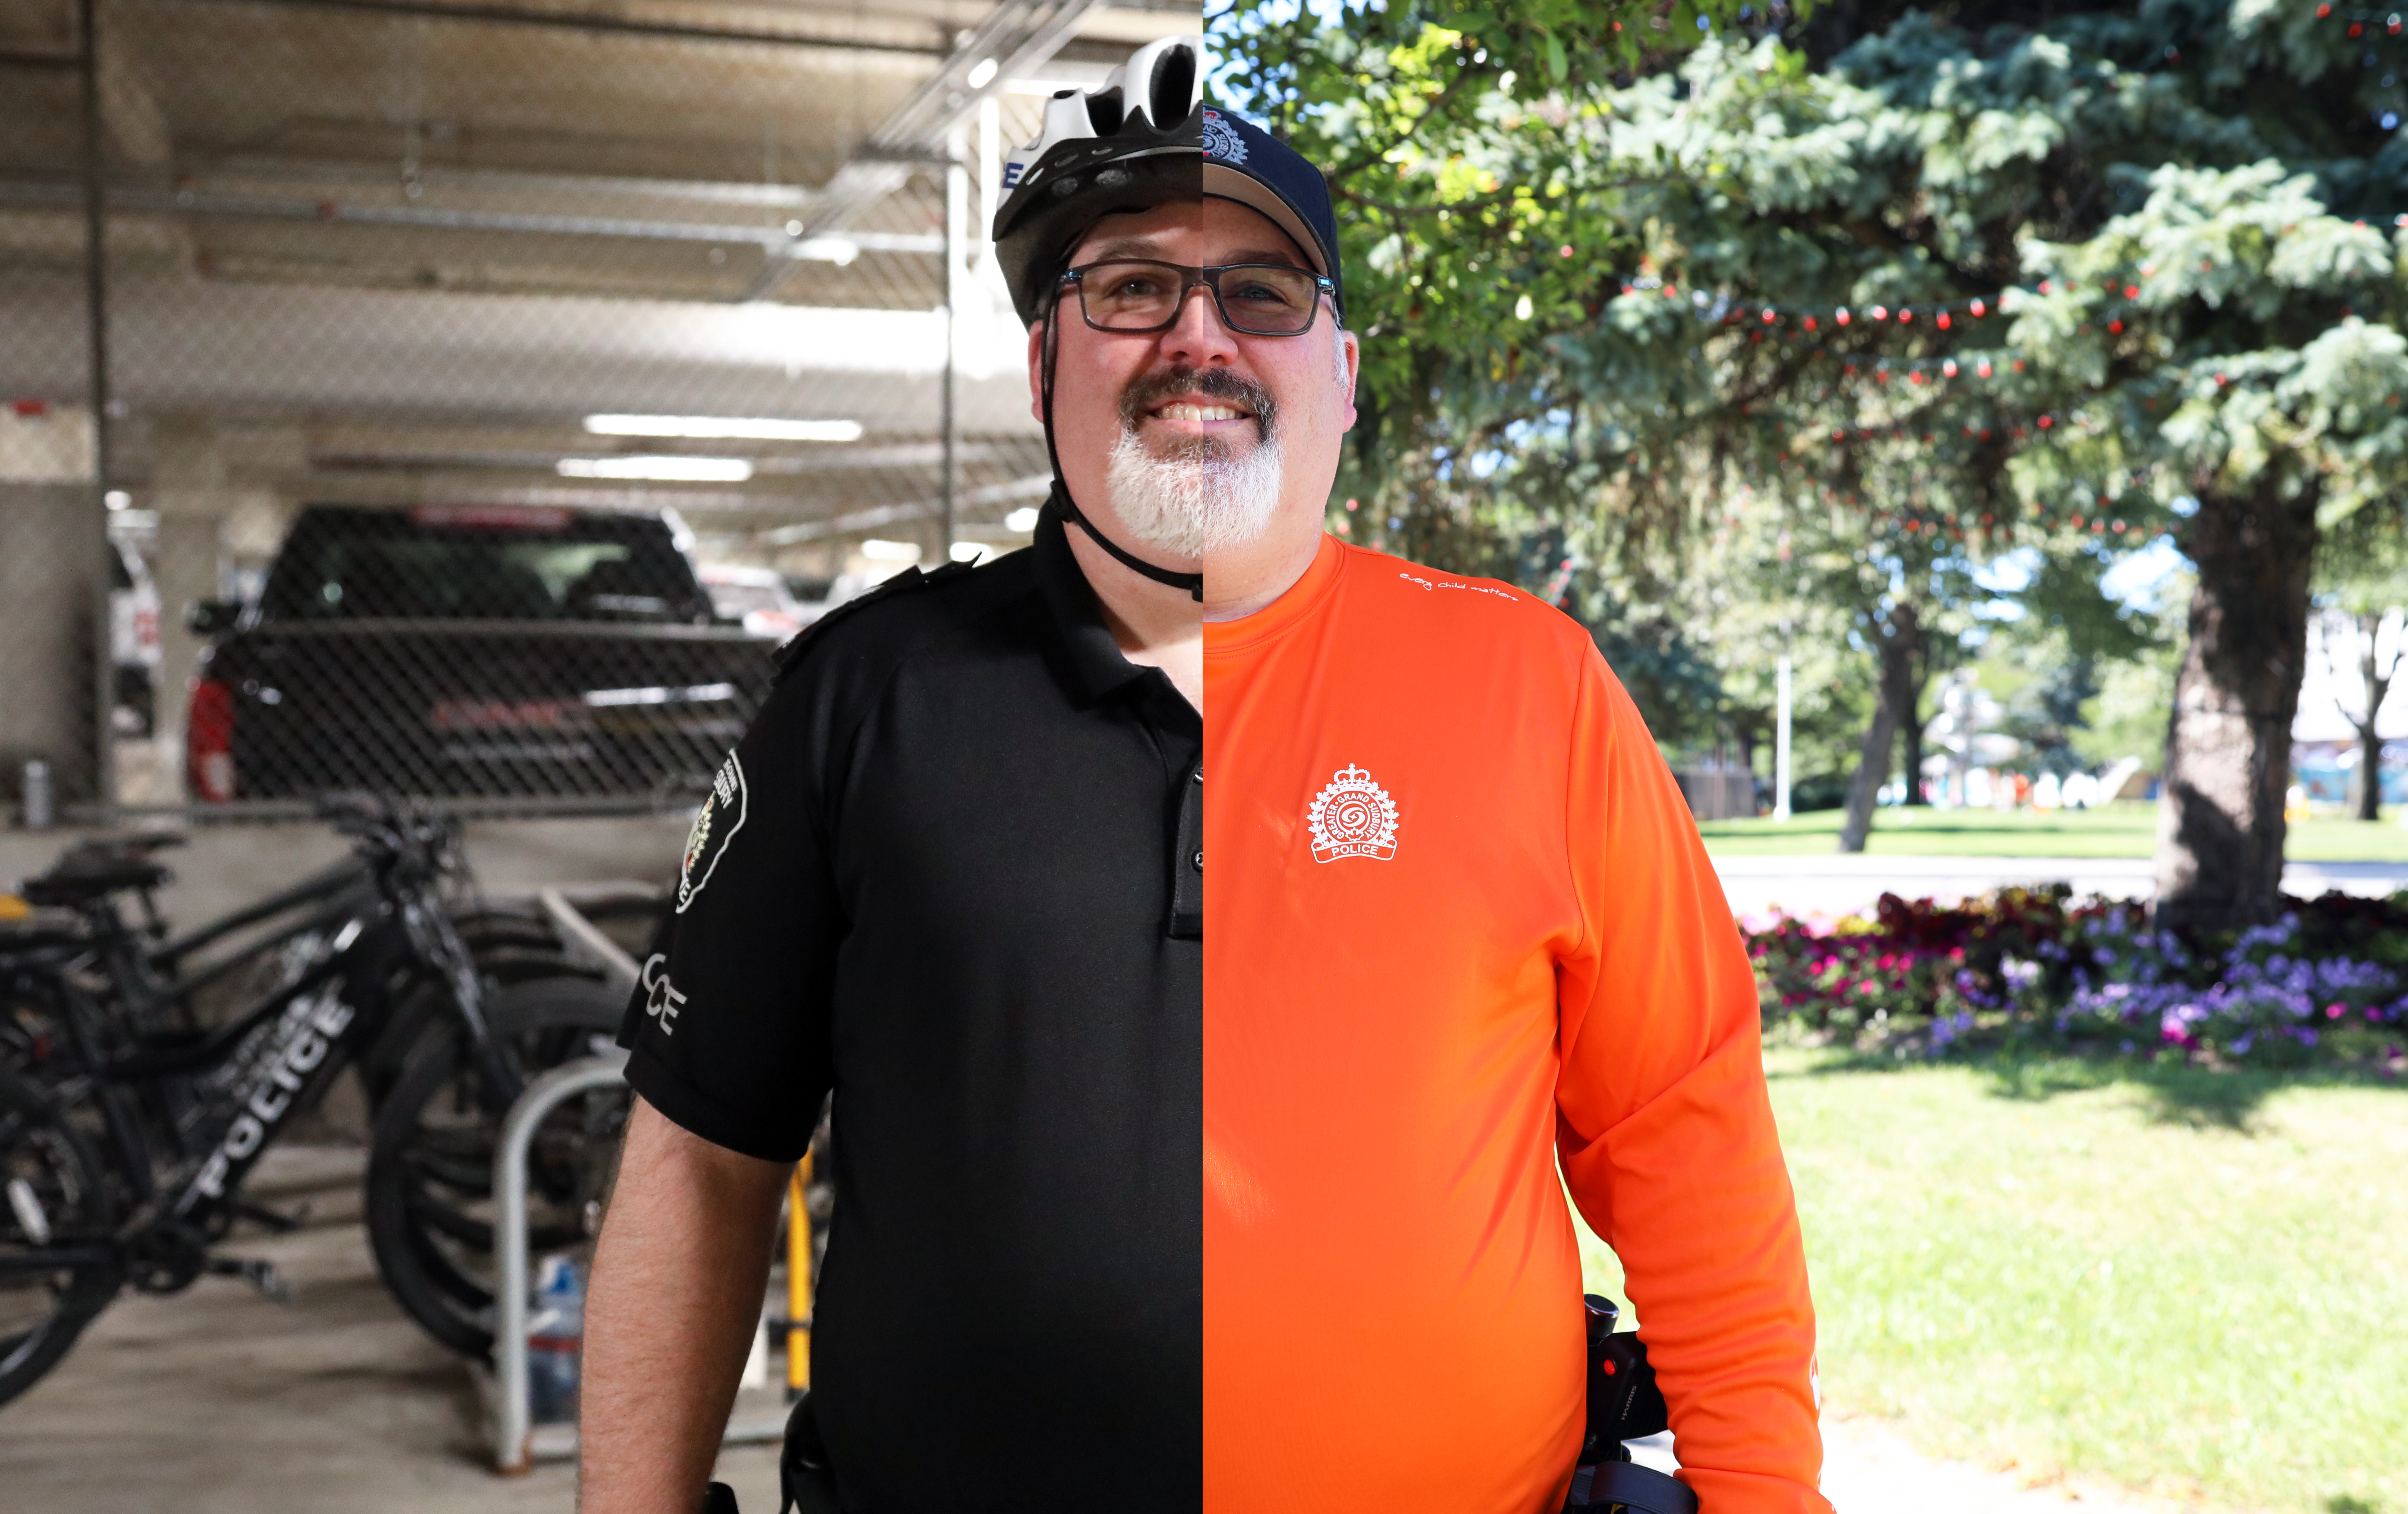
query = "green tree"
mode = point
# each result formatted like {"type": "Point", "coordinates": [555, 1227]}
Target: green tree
{"type": "Point", "coordinates": [2184, 320]}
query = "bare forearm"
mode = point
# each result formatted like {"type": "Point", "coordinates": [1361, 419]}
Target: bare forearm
{"type": "Point", "coordinates": [678, 1278]}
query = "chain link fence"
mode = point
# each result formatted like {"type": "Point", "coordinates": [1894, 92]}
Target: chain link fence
{"type": "Point", "coordinates": [484, 392]}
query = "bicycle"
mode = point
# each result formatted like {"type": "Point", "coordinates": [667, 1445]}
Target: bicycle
{"type": "Point", "coordinates": [95, 1204]}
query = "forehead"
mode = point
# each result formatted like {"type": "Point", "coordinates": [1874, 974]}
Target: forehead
{"type": "Point", "coordinates": [1205, 231]}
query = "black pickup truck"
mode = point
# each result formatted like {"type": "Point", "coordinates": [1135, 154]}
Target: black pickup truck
{"type": "Point", "coordinates": [465, 650]}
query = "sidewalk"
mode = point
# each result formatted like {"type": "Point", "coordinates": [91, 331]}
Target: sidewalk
{"type": "Point", "coordinates": [1869, 1468]}
{"type": "Point", "coordinates": [1838, 883]}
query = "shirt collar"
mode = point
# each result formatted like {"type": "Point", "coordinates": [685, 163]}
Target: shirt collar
{"type": "Point", "coordinates": [1094, 658]}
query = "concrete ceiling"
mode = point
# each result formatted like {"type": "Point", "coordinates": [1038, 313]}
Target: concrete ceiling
{"type": "Point", "coordinates": [400, 226]}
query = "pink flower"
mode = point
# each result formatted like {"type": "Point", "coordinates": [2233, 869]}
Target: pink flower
{"type": "Point", "coordinates": [2333, 1011]}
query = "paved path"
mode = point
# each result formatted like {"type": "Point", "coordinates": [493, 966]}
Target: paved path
{"type": "Point", "coordinates": [1835, 884]}
{"type": "Point", "coordinates": [1868, 1468]}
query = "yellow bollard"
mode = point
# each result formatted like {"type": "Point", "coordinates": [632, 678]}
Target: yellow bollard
{"type": "Point", "coordinates": [798, 1279]}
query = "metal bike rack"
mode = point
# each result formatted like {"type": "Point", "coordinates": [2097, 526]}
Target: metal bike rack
{"type": "Point", "coordinates": [518, 1441]}
{"type": "Point", "coordinates": [587, 943]}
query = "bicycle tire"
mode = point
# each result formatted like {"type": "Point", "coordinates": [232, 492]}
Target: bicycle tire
{"type": "Point", "coordinates": [64, 1191]}
{"type": "Point", "coordinates": [430, 1167]}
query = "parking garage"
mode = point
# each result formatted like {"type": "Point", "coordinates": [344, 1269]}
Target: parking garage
{"type": "Point", "coordinates": [453, 404]}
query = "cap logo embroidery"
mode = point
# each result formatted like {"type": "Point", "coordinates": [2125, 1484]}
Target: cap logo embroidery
{"type": "Point", "coordinates": [714, 825]}
{"type": "Point", "coordinates": [1353, 817]}
{"type": "Point", "coordinates": [1220, 141]}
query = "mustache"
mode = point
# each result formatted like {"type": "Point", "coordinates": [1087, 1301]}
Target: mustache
{"type": "Point", "coordinates": [1148, 390]}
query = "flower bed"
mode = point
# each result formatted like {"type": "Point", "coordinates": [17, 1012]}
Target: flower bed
{"type": "Point", "coordinates": [2329, 982]}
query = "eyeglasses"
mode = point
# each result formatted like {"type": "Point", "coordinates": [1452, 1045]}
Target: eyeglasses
{"type": "Point", "coordinates": [1259, 299]}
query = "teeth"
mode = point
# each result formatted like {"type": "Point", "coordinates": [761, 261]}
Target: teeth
{"type": "Point", "coordinates": [1199, 412]}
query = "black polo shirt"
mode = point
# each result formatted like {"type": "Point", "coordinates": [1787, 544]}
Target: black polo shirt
{"type": "Point", "coordinates": [953, 872]}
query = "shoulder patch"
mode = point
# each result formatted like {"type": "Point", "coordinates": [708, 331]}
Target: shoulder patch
{"type": "Point", "coordinates": [715, 825]}
{"type": "Point", "coordinates": [906, 581]}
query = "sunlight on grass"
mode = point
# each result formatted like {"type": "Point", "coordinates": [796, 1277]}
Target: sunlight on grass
{"type": "Point", "coordinates": [2186, 1283]}
{"type": "Point", "coordinates": [2122, 830]}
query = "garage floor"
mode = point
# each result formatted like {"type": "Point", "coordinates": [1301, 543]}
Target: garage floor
{"type": "Point", "coordinates": [216, 1402]}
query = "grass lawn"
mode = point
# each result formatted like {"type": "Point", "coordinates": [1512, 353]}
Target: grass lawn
{"type": "Point", "coordinates": [2128, 829]}
{"type": "Point", "coordinates": [2187, 1282]}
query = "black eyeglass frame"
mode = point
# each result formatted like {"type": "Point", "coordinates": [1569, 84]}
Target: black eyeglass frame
{"type": "Point", "coordinates": [1190, 275]}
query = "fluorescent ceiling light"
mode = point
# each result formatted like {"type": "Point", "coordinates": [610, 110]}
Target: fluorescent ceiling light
{"type": "Point", "coordinates": [1023, 518]}
{"type": "Point", "coordinates": [695, 694]}
{"type": "Point", "coordinates": [716, 427]}
{"type": "Point", "coordinates": [890, 551]}
{"type": "Point", "coordinates": [836, 250]}
{"type": "Point", "coordinates": [969, 551]}
{"type": "Point", "coordinates": [981, 72]}
{"type": "Point", "coordinates": [673, 469]}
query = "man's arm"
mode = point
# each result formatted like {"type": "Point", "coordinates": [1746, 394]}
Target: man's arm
{"type": "Point", "coordinates": [677, 1277]}
{"type": "Point", "coordinates": [1666, 1132]}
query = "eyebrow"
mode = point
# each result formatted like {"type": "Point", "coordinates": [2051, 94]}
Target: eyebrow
{"type": "Point", "coordinates": [1134, 247]}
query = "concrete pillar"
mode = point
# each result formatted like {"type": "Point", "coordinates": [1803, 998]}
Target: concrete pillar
{"type": "Point", "coordinates": [51, 559]}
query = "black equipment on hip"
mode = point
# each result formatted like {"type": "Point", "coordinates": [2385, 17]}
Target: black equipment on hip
{"type": "Point", "coordinates": [1624, 1403]}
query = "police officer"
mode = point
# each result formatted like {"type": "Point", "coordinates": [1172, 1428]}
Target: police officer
{"type": "Point", "coordinates": [1130, 1220]}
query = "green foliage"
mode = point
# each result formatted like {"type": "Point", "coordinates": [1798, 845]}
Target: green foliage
{"type": "Point", "coordinates": [2129, 715]}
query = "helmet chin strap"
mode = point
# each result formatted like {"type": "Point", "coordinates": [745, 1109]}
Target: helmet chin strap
{"type": "Point", "coordinates": [1192, 582]}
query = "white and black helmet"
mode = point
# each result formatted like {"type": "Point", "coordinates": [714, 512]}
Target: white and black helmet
{"type": "Point", "coordinates": [1135, 143]}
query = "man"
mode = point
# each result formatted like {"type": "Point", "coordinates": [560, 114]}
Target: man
{"type": "Point", "coordinates": [956, 870]}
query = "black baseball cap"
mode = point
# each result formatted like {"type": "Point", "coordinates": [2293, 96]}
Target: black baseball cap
{"type": "Point", "coordinates": [1248, 164]}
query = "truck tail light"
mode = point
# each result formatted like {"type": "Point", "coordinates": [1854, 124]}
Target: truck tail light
{"type": "Point", "coordinates": [208, 741]}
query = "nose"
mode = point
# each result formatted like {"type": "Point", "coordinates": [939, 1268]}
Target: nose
{"type": "Point", "coordinates": [1199, 338]}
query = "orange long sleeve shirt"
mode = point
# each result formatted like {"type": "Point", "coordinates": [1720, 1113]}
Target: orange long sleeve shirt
{"type": "Point", "coordinates": [1462, 932]}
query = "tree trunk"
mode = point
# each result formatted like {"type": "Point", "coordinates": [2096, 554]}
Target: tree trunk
{"type": "Point", "coordinates": [1900, 644]}
{"type": "Point", "coordinates": [1910, 736]}
{"type": "Point", "coordinates": [1743, 732]}
{"type": "Point", "coordinates": [2377, 682]}
{"type": "Point", "coordinates": [2219, 861]}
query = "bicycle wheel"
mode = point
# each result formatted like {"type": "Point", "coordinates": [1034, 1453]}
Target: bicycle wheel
{"type": "Point", "coordinates": [430, 1201]}
{"type": "Point", "coordinates": [55, 1196]}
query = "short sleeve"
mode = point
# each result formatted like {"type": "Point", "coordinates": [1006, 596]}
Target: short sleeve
{"type": "Point", "coordinates": [728, 1027]}
{"type": "Point", "coordinates": [1665, 1128]}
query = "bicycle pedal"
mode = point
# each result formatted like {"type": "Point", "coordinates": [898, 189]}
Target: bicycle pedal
{"type": "Point", "coordinates": [261, 1275]}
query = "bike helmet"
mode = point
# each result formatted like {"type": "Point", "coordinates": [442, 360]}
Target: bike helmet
{"type": "Point", "coordinates": [1136, 143]}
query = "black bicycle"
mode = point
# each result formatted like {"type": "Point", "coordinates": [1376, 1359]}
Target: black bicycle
{"type": "Point", "coordinates": [123, 1162]}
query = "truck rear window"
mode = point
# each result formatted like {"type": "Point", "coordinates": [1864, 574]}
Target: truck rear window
{"type": "Point", "coordinates": [481, 565]}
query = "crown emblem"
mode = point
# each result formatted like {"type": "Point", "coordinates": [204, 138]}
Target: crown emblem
{"type": "Point", "coordinates": [1353, 817]}
{"type": "Point", "coordinates": [1220, 141]}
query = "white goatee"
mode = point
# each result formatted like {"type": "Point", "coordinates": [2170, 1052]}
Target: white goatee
{"type": "Point", "coordinates": [1197, 501]}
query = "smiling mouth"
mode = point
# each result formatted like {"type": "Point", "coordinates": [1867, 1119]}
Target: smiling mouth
{"type": "Point", "coordinates": [1190, 411]}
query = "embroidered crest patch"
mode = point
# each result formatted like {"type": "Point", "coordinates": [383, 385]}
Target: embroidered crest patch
{"type": "Point", "coordinates": [714, 825]}
{"type": "Point", "coordinates": [1219, 141]}
{"type": "Point", "coordinates": [1353, 817]}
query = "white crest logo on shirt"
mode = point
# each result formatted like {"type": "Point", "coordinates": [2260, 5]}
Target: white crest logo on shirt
{"type": "Point", "coordinates": [1353, 817]}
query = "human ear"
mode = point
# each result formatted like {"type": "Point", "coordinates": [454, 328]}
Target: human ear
{"type": "Point", "coordinates": [1036, 371]}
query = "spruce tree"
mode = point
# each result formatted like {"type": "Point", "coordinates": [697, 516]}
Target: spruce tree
{"type": "Point", "coordinates": [1984, 275]}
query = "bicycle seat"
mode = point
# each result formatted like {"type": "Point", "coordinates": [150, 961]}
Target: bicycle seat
{"type": "Point", "coordinates": [90, 871]}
